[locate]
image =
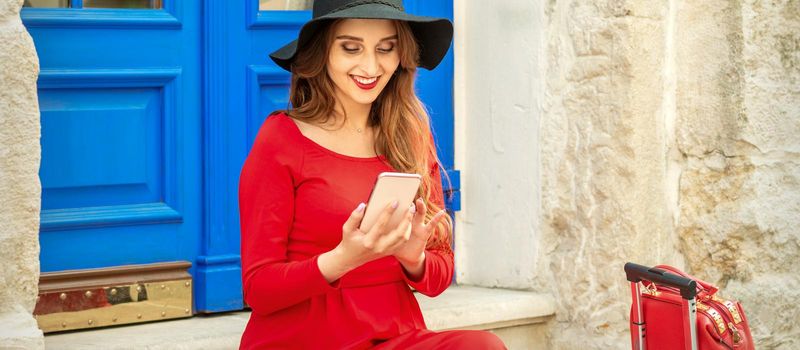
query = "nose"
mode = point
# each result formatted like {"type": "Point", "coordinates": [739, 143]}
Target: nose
{"type": "Point", "coordinates": [369, 64]}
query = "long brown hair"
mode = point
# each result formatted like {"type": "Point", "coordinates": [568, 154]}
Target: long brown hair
{"type": "Point", "coordinates": [402, 123]}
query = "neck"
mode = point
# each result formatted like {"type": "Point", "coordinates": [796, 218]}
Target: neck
{"type": "Point", "coordinates": [353, 115]}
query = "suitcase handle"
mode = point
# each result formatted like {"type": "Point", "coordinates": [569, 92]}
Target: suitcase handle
{"type": "Point", "coordinates": [702, 286]}
{"type": "Point", "coordinates": [637, 273]}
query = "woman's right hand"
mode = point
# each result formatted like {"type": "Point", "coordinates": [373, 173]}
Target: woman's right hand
{"type": "Point", "coordinates": [358, 247]}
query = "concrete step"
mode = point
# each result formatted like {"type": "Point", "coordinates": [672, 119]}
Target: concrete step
{"type": "Point", "coordinates": [517, 317]}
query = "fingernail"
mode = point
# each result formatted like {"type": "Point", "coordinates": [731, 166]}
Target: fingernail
{"type": "Point", "coordinates": [395, 204]}
{"type": "Point", "coordinates": [412, 209]}
{"type": "Point", "coordinates": [360, 207]}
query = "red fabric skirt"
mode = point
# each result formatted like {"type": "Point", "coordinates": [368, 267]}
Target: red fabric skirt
{"type": "Point", "coordinates": [426, 339]}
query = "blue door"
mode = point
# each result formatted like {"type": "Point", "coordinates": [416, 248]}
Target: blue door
{"type": "Point", "coordinates": [119, 93]}
{"type": "Point", "coordinates": [147, 117]}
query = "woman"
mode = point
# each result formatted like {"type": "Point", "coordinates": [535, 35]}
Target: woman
{"type": "Point", "coordinates": [311, 277]}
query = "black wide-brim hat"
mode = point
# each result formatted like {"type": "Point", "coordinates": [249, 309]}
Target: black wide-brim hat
{"type": "Point", "coordinates": [433, 34]}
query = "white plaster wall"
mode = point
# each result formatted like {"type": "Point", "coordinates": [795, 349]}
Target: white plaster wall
{"type": "Point", "coordinates": [19, 182]}
{"type": "Point", "coordinates": [499, 85]}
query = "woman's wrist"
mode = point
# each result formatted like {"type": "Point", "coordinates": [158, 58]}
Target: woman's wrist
{"type": "Point", "coordinates": [333, 264]}
{"type": "Point", "coordinates": [415, 267]}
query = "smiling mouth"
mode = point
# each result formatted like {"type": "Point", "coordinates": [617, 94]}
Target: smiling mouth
{"type": "Point", "coordinates": [365, 83]}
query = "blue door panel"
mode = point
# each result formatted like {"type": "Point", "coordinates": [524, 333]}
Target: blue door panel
{"type": "Point", "coordinates": [118, 128]}
{"type": "Point", "coordinates": [88, 248]}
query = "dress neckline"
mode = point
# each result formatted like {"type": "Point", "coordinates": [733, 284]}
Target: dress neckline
{"type": "Point", "coordinates": [324, 149]}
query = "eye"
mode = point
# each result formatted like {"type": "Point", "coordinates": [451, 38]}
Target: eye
{"type": "Point", "coordinates": [386, 48]}
{"type": "Point", "coordinates": [350, 48]}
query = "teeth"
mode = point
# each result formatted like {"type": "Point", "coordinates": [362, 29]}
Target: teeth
{"type": "Point", "coordinates": [365, 81]}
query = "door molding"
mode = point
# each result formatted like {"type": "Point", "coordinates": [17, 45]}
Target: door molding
{"type": "Point", "coordinates": [218, 268]}
{"type": "Point", "coordinates": [259, 76]}
{"type": "Point", "coordinates": [168, 17]}
{"type": "Point", "coordinates": [272, 20]}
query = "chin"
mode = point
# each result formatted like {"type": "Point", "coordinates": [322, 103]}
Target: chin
{"type": "Point", "coordinates": [364, 99]}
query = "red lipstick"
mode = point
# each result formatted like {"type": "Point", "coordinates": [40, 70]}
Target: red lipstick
{"type": "Point", "coordinates": [369, 86]}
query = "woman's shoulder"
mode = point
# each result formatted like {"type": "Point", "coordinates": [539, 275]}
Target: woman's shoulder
{"type": "Point", "coordinates": [277, 127]}
{"type": "Point", "coordinates": [274, 153]}
{"type": "Point", "coordinates": [278, 134]}
{"type": "Point", "coordinates": [275, 123]}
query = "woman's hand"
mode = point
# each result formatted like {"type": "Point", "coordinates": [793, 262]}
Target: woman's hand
{"type": "Point", "coordinates": [358, 247]}
{"type": "Point", "coordinates": [412, 254]}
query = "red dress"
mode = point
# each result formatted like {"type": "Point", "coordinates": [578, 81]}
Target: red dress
{"type": "Point", "coordinates": [294, 196]}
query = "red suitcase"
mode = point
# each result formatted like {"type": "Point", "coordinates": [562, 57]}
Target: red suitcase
{"type": "Point", "coordinates": [672, 310]}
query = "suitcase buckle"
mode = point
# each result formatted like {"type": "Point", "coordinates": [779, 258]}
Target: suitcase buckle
{"type": "Point", "coordinates": [736, 336]}
{"type": "Point", "coordinates": [650, 289]}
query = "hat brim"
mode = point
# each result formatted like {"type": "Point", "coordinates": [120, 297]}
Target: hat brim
{"type": "Point", "coordinates": [433, 35]}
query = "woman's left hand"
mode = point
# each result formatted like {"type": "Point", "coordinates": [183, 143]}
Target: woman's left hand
{"type": "Point", "coordinates": [412, 254]}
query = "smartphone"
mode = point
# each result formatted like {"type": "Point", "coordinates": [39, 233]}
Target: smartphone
{"type": "Point", "coordinates": [389, 187]}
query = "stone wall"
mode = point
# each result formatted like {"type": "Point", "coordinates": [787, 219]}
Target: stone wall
{"type": "Point", "coordinates": [606, 197]}
{"type": "Point", "coordinates": [738, 132]}
{"type": "Point", "coordinates": [694, 104]}
{"type": "Point", "coordinates": [19, 182]}
{"type": "Point", "coordinates": [659, 132]}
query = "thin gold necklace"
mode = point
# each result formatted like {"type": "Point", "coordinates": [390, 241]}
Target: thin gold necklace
{"type": "Point", "coordinates": [358, 130]}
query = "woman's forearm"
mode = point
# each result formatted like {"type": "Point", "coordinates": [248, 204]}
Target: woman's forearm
{"type": "Point", "coordinates": [333, 265]}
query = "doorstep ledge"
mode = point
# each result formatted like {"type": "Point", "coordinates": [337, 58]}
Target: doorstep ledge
{"type": "Point", "coordinates": [459, 307]}
{"type": "Point", "coordinates": [467, 307]}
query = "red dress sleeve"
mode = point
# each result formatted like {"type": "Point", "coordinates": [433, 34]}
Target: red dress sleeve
{"type": "Point", "coordinates": [266, 207]}
{"type": "Point", "coordinates": [438, 270]}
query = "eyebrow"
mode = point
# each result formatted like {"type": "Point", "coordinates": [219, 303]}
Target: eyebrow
{"type": "Point", "coordinates": [353, 38]}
